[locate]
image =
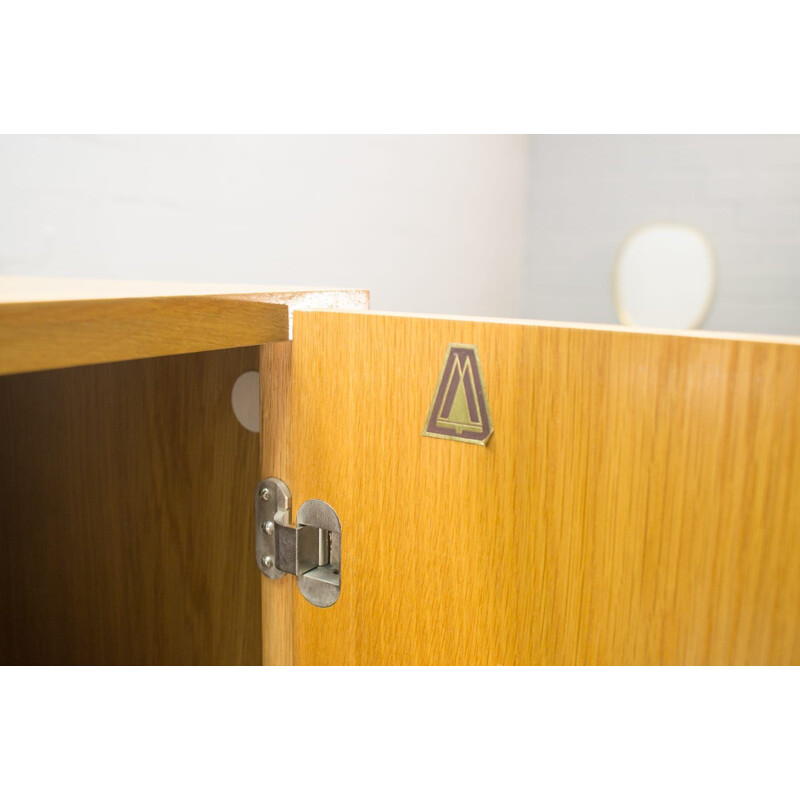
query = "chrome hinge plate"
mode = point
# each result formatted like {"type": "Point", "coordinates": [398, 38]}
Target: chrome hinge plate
{"type": "Point", "coordinates": [311, 550]}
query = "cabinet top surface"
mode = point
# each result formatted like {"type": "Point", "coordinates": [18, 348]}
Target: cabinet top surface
{"type": "Point", "coordinates": [49, 323]}
{"type": "Point", "coordinates": [27, 289]}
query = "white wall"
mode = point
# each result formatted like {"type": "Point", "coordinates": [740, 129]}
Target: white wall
{"type": "Point", "coordinates": [743, 192]}
{"type": "Point", "coordinates": [426, 223]}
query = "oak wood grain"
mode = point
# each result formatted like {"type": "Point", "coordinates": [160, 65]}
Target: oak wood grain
{"type": "Point", "coordinates": [49, 335]}
{"type": "Point", "coordinates": [126, 514]}
{"type": "Point", "coordinates": [638, 503]}
{"type": "Point", "coordinates": [276, 461]}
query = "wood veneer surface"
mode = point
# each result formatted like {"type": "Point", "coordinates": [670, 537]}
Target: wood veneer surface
{"type": "Point", "coordinates": [638, 502]}
{"type": "Point", "coordinates": [126, 514]}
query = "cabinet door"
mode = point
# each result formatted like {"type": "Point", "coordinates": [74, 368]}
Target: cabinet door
{"type": "Point", "coordinates": [638, 501]}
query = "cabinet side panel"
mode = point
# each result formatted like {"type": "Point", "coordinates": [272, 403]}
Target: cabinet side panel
{"type": "Point", "coordinates": [126, 497]}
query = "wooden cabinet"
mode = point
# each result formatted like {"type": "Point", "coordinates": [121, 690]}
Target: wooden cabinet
{"type": "Point", "coordinates": [637, 501]}
{"type": "Point", "coordinates": [126, 500]}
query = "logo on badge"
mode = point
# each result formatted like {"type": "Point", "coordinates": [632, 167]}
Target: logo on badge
{"type": "Point", "coordinates": [460, 409]}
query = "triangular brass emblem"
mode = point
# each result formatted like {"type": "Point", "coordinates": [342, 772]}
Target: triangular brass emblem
{"type": "Point", "coordinates": [460, 409]}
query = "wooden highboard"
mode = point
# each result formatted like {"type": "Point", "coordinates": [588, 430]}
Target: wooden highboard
{"type": "Point", "coordinates": [627, 497]}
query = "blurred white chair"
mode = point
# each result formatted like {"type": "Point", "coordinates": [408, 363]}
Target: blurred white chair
{"type": "Point", "coordinates": [664, 277]}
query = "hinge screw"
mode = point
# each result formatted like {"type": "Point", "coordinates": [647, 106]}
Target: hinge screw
{"type": "Point", "coordinates": [268, 527]}
{"type": "Point", "coordinates": [267, 562]}
{"type": "Point", "coordinates": [265, 495]}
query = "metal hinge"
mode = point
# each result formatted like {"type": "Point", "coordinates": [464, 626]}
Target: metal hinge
{"type": "Point", "coordinates": [311, 550]}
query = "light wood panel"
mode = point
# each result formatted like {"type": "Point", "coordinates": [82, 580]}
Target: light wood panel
{"type": "Point", "coordinates": [638, 503]}
{"type": "Point", "coordinates": [126, 515]}
{"type": "Point", "coordinates": [48, 323]}
{"type": "Point", "coordinates": [276, 461]}
{"type": "Point", "coordinates": [49, 335]}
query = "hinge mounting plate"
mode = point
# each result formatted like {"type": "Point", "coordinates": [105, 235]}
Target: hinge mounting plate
{"type": "Point", "coordinates": [311, 550]}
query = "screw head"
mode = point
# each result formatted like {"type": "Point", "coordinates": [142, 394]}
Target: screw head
{"type": "Point", "coordinates": [267, 562]}
{"type": "Point", "coordinates": [265, 494]}
{"type": "Point", "coordinates": [268, 527]}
